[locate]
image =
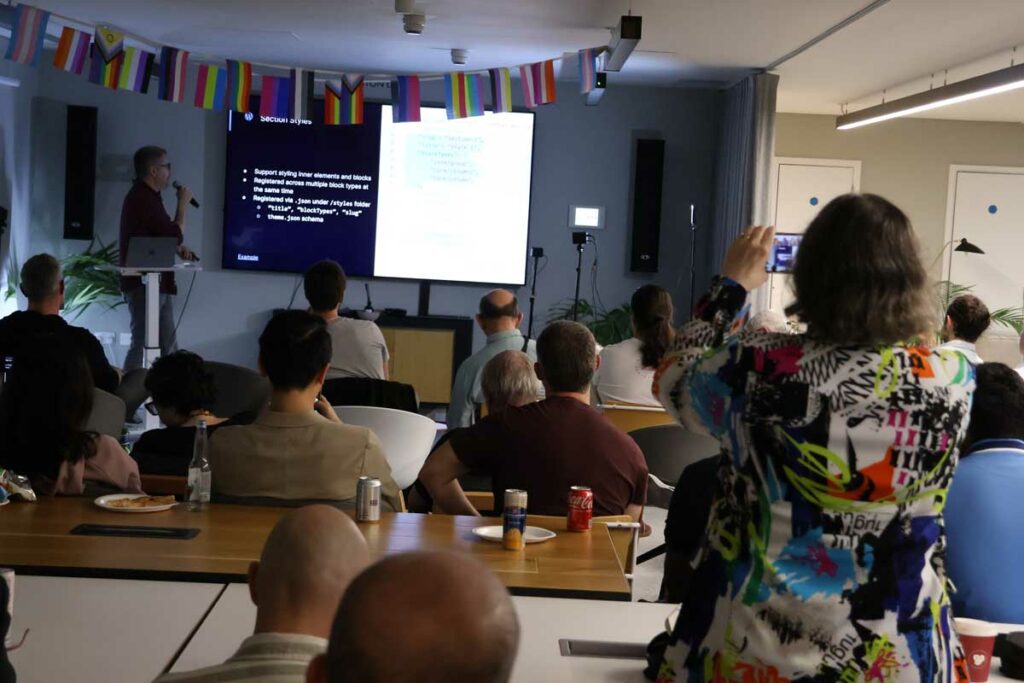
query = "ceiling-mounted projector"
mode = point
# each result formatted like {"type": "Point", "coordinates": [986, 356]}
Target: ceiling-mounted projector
{"type": "Point", "coordinates": [625, 36]}
{"type": "Point", "coordinates": [600, 84]}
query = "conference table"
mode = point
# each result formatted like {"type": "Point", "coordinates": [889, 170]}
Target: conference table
{"type": "Point", "coordinates": [37, 539]}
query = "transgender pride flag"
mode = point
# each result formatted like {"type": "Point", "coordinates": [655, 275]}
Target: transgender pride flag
{"type": "Point", "coordinates": [72, 50]}
{"type": "Point", "coordinates": [275, 96]}
{"type": "Point", "coordinates": [27, 33]}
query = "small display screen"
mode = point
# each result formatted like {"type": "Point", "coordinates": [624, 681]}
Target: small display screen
{"type": "Point", "coordinates": [783, 255]}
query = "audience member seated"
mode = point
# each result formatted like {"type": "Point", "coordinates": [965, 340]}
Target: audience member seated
{"type": "Point", "coordinates": [499, 318]}
{"type": "Point", "coordinates": [768, 321]}
{"type": "Point", "coordinates": [507, 381]}
{"type": "Point", "coordinates": [182, 391]}
{"type": "Point", "coordinates": [838, 448]}
{"type": "Point", "coordinates": [43, 285]}
{"type": "Point", "coordinates": [298, 449]}
{"type": "Point", "coordinates": [44, 406]}
{"type": "Point", "coordinates": [428, 617]}
{"type": "Point", "coordinates": [984, 510]}
{"type": "Point", "coordinates": [548, 446]}
{"type": "Point", "coordinates": [627, 368]}
{"type": "Point", "coordinates": [310, 558]}
{"type": "Point", "coordinates": [358, 346]}
{"type": "Point", "coordinates": [966, 319]}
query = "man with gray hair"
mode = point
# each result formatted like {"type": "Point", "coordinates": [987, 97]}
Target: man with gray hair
{"type": "Point", "coordinates": [42, 283]}
{"type": "Point", "coordinates": [549, 446]}
{"type": "Point", "coordinates": [508, 380]}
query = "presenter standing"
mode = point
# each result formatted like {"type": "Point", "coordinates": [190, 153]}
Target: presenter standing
{"type": "Point", "coordinates": [143, 215]}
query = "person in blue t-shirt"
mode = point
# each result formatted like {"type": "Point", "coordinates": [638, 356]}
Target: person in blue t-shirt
{"type": "Point", "coordinates": [985, 509]}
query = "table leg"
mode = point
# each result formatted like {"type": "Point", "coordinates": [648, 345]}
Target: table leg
{"type": "Point", "coordinates": [152, 347]}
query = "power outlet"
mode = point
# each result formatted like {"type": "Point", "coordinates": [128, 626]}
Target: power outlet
{"type": "Point", "coordinates": [125, 339]}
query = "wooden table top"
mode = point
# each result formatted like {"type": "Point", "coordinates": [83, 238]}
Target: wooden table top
{"type": "Point", "coordinates": [35, 539]}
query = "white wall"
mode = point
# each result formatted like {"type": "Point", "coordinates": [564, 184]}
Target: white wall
{"type": "Point", "coordinates": [582, 155]}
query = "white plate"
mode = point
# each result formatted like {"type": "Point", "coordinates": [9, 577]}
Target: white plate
{"type": "Point", "coordinates": [534, 534]}
{"type": "Point", "coordinates": [104, 502]}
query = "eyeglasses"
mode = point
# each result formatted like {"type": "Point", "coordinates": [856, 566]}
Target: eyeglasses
{"type": "Point", "coordinates": [167, 165]}
{"type": "Point", "coordinates": [152, 409]}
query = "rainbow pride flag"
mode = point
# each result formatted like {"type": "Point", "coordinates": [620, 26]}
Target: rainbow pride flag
{"type": "Point", "coordinates": [173, 71]}
{"type": "Point", "coordinates": [107, 57]}
{"type": "Point", "coordinates": [27, 34]}
{"type": "Point", "coordinates": [300, 93]}
{"type": "Point", "coordinates": [274, 96]}
{"type": "Point", "coordinates": [464, 95]}
{"type": "Point", "coordinates": [588, 70]}
{"type": "Point", "coordinates": [136, 70]}
{"type": "Point", "coordinates": [538, 81]}
{"type": "Point", "coordinates": [72, 50]}
{"type": "Point", "coordinates": [405, 99]}
{"type": "Point", "coordinates": [239, 85]}
{"type": "Point", "coordinates": [501, 90]}
{"type": "Point", "coordinates": [211, 85]}
{"type": "Point", "coordinates": [343, 100]}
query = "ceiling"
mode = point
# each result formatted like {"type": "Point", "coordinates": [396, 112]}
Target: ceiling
{"type": "Point", "coordinates": [685, 42]}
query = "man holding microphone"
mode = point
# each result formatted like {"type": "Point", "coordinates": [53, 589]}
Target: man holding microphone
{"type": "Point", "coordinates": [143, 215]}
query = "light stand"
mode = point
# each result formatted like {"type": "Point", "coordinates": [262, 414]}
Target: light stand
{"type": "Point", "coordinates": [536, 253]}
{"type": "Point", "coordinates": [693, 245]}
{"type": "Point", "coordinates": [580, 239]}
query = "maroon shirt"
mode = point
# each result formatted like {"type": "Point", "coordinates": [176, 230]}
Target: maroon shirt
{"type": "Point", "coordinates": [550, 446]}
{"type": "Point", "coordinates": [143, 215]}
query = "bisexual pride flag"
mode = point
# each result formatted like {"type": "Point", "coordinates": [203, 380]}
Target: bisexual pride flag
{"type": "Point", "coordinates": [501, 90]}
{"type": "Point", "coordinates": [405, 99]}
{"type": "Point", "coordinates": [27, 34]}
{"type": "Point", "coordinates": [464, 95]}
{"type": "Point", "coordinates": [538, 81]}
{"type": "Point", "coordinates": [211, 86]}
{"type": "Point", "coordinates": [274, 96]}
{"type": "Point", "coordinates": [239, 85]}
{"type": "Point", "coordinates": [588, 70]}
{"type": "Point", "coordinates": [343, 101]}
{"type": "Point", "coordinates": [173, 69]}
{"type": "Point", "coordinates": [72, 50]}
{"type": "Point", "coordinates": [107, 57]}
{"type": "Point", "coordinates": [136, 70]}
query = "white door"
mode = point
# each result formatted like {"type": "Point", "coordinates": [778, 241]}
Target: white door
{"type": "Point", "coordinates": [801, 188]}
{"type": "Point", "coordinates": [986, 206]}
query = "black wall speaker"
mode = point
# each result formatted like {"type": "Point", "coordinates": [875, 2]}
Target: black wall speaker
{"type": "Point", "coordinates": [647, 177]}
{"type": "Point", "coordinates": [80, 174]}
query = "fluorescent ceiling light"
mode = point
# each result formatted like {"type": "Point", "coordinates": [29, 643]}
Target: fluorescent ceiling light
{"type": "Point", "coordinates": [595, 95]}
{"type": "Point", "coordinates": [991, 83]}
{"type": "Point", "coordinates": [625, 36]}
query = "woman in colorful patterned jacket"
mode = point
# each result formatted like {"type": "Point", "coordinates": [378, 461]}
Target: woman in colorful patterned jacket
{"type": "Point", "coordinates": [824, 551]}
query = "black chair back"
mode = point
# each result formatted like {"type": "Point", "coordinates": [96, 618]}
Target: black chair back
{"type": "Point", "coordinates": [239, 390]}
{"type": "Point", "coordinates": [377, 393]}
{"type": "Point", "coordinates": [669, 449]}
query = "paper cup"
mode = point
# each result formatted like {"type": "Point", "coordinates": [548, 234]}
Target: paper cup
{"type": "Point", "coordinates": [978, 638]}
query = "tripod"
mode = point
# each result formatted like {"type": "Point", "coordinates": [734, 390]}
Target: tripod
{"type": "Point", "coordinates": [580, 239]}
{"type": "Point", "coordinates": [536, 253]}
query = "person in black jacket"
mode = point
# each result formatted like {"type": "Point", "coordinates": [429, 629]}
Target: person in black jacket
{"type": "Point", "coordinates": [43, 285]}
{"type": "Point", "coordinates": [7, 674]}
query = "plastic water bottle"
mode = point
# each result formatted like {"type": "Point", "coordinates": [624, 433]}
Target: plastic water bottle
{"type": "Point", "coordinates": [200, 477]}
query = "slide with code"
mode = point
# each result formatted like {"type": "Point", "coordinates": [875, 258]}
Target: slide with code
{"type": "Point", "coordinates": [435, 200]}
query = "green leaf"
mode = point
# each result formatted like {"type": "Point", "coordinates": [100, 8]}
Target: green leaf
{"type": "Point", "coordinates": [610, 327]}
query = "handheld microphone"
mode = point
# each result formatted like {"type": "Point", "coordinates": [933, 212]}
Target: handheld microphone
{"type": "Point", "coordinates": [193, 201]}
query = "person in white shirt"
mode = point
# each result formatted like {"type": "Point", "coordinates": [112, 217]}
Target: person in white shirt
{"type": "Point", "coordinates": [626, 373]}
{"type": "Point", "coordinates": [359, 349]}
{"type": "Point", "coordinates": [310, 558]}
{"type": "Point", "coordinates": [967, 318]}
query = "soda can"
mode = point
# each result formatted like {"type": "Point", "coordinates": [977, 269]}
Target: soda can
{"type": "Point", "coordinates": [513, 520]}
{"type": "Point", "coordinates": [581, 508]}
{"type": "Point", "coordinates": [368, 499]}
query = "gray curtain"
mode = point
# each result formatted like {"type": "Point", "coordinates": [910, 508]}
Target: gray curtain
{"type": "Point", "coordinates": [744, 165]}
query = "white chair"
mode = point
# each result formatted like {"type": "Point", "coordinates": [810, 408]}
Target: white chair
{"type": "Point", "coordinates": [407, 437]}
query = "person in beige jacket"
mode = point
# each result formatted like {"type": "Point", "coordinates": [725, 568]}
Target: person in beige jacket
{"type": "Point", "coordinates": [297, 449]}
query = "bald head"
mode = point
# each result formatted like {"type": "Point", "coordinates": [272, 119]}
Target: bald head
{"type": "Point", "coordinates": [307, 563]}
{"type": "Point", "coordinates": [426, 617]}
{"type": "Point", "coordinates": [508, 381]}
{"type": "Point", "coordinates": [499, 311]}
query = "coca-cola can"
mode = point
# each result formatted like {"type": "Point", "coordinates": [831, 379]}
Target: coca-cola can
{"type": "Point", "coordinates": [581, 508]}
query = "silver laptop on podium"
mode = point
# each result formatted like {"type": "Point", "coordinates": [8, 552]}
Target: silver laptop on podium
{"type": "Point", "coordinates": [151, 252]}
